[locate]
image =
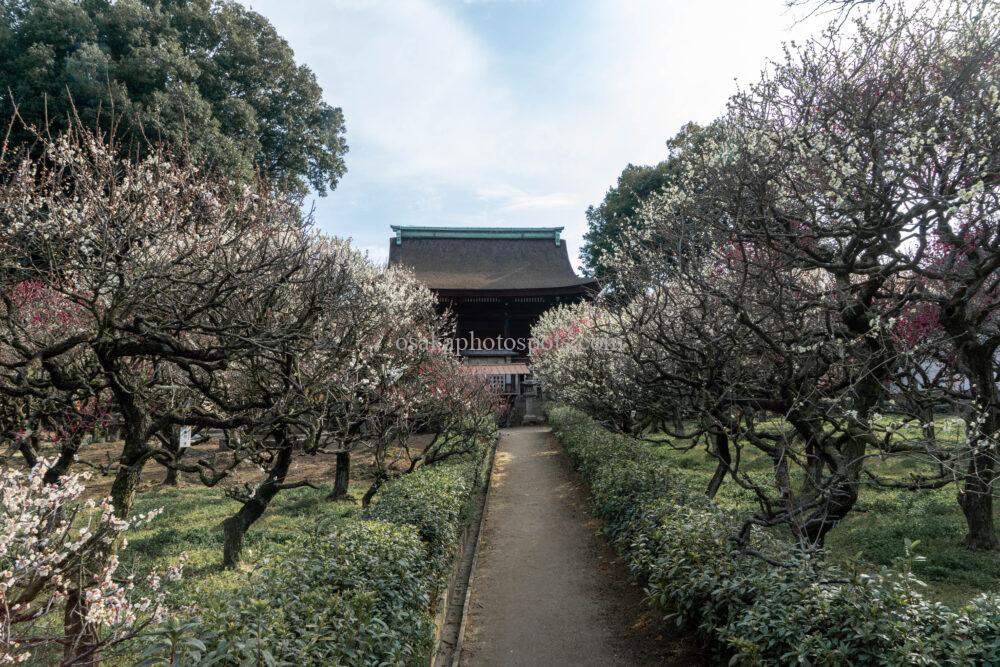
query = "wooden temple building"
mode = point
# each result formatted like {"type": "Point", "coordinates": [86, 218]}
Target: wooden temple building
{"type": "Point", "coordinates": [496, 282]}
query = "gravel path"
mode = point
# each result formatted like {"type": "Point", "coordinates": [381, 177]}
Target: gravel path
{"type": "Point", "coordinates": [547, 589]}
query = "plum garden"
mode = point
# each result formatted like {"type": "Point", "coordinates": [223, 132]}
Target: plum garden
{"type": "Point", "coordinates": [812, 301]}
{"type": "Point", "coordinates": [795, 360]}
{"type": "Point", "coordinates": [147, 293]}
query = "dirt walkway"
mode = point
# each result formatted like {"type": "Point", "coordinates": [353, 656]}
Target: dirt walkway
{"type": "Point", "coordinates": [547, 589]}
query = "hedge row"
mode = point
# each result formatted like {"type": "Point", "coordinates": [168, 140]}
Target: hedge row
{"type": "Point", "coordinates": [678, 543]}
{"type": "Point", "coordinates": [359, 592]}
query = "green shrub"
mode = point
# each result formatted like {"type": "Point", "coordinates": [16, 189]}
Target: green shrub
{"type": "Point", "coordinates": [810, 612]}
{"type": "Point", "coordinates": [433, 500]}
{"type": "Point", "coordinates": [356, 593]}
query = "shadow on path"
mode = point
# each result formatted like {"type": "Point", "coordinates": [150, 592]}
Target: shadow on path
{"type": "Point", "coordinates": [548, 590]}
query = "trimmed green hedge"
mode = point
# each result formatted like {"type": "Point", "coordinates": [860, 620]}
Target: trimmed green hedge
{"type": "Point", "coordinates": [433, 500]}
{"type": "Point", "coordinates": [678, 542]}
{"type": "Point", "coordinates": [359, 592]}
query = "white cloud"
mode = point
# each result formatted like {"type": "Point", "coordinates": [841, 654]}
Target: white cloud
{"type": "Point", "coordinates": [416, 86]}
{"type": "Point", "coordinates": [515, 199]}
{"type": "Point", "coordinates": [444, 128]}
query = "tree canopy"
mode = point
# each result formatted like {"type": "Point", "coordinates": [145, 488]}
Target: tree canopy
{"type": "Point", "coordinates": [820, 277]}
{"type": "Point", "coordinates": [210, 75]}
{"type": "Point", "coordinates": [616, 216]}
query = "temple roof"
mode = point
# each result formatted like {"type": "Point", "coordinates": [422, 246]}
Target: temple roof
{"type": "Point", "coordinates": [476, 258]}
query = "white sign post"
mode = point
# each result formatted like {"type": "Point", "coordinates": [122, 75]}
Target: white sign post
{"type": "Point", "coordinates": [185, 437]}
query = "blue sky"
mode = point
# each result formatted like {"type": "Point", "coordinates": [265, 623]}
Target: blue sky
{"type": "Point", "coordinates": [514, 112]}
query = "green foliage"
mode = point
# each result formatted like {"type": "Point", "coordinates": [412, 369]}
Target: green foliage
{"type": "Point", "coordinates": [210, 75]}
{"type": "Point", "coordinates": [807, 612]}
{"type": "Point", "coordinates": [433, 500]}
{"type": "Point", "coordinates": [354, 592]}
{"type": "Point", "coordinates": [190, 524]}
{"type": "Point", "coordinates": [617, 215]}
{"type": "Point", "coordinates": [878, 526]}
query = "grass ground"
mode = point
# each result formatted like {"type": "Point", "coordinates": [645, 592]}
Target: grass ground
{"type": "Point", "coordinates": [192, 514]}
{"type": "Point", "coordinates": [191, 522]}
{"type": "Point", "coordinates": [882, 520]}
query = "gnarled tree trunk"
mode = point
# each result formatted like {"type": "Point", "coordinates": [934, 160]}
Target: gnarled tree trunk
{"type": "Point", "coordinates": [824, 503]}
{"type": "Point", "coordinates": [29, 447]}
{"type": "Point", "coordinates": [975, 496]}
{"type": "Point", "coordinates": [976, 500]}
{"type": "Point", "coordinates": [82, 638]}
{"type": "Point", "coordinates": [67, 454]}
{"type": "Point", "coordinates": [380, 479]}
{"type": "Point", "coordinates": [173, 445]}
{"type": "Point", "coordinates": [341, 477]}
{"type": "Point", "coordinates": [724, 457]}
{"type": "Point", "coordinates": [130, 466]}
{"type": "Point", "coordinates": [235, 527]}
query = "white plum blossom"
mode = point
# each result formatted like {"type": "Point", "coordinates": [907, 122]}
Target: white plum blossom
{"type": "Point", "coordinates": [51, 544]}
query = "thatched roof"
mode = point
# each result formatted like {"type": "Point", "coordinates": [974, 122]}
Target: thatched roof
{"type": "Point", "coordinates": [486, 259]}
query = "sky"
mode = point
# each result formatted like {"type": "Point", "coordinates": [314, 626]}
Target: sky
{"type": "Point", "coordinates": [515, 112]}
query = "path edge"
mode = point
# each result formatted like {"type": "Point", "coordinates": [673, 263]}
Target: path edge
{"type": "Point", "coordinates": [444, 600]}
{"type": "Point", "coordinates": [456, 655]}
